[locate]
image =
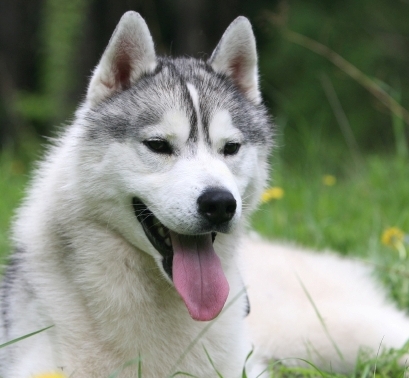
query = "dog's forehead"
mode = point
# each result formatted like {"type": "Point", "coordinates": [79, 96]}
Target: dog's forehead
{"type": "Point", "coordinates": [187, 98]}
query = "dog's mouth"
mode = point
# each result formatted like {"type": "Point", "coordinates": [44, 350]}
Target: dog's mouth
{"type": "Point", "coordinates": [191, 263]}
{"type": "Point", "coordinates": [156, 232]}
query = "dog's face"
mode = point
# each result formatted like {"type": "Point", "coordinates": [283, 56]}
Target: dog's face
{"type": "Point", "coordinates": [177, 150]}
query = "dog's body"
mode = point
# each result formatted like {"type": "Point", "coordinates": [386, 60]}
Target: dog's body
{"type": "Point", "coordinates": [128, 241]}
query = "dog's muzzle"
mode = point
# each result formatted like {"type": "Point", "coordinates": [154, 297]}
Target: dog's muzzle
{"type": "Point", "coordinates": [190, 260]}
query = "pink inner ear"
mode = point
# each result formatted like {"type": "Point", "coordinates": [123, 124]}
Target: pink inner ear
{"type": "Point", "coordinates": [123, 68]}
{"type": "Point", "coordinates": [237, 69]}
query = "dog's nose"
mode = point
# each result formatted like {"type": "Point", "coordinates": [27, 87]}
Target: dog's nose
{"type": "Point", "coordinates": [217, 205]}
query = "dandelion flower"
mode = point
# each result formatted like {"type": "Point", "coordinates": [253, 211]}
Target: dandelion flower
{"type": "Point", "coordinates": [273, 193]}
{"type": "Point", "coordinates": [392, 237]}
{"type": "Point", "coordinates": [54, 374]}
{"type": "Point", "coordinates": [329, 180]}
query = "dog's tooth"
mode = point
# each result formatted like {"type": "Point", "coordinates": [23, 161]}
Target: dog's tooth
{"type": "Point", "coordinates": [161, 232]}
{"type": "Point", "coordinates": [167, 242]}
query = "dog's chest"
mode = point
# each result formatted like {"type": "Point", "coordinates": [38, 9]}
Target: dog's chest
{"type": "Point", "coordinates": [146, 324]}
{"type": "Point", "coordinates": [161, 350]}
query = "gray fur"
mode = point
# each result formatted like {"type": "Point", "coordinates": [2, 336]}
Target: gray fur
{"type": "Point", "coordinates": [143, 104]}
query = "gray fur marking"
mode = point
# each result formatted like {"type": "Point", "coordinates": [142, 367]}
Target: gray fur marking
{"type": "Point", "coordinates": [10, 275]}
{"type": "Point", "coordinates": [123, 115]}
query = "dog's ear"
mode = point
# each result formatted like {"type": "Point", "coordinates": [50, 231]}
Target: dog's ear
{"type": "Point", "coordinates": [130, 53]}
{"type": "Point", "coordinates": [236, 56]}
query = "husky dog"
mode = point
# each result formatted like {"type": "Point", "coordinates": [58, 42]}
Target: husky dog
{"type": "Point", "coordinates": [128, 242]}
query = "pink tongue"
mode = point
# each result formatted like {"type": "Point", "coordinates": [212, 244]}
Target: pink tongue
{"type": "Point", "coordinates": [198, 275]}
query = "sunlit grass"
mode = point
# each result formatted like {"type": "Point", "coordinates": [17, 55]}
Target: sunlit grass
{"type": "Point", "coordinates": [348, 216]}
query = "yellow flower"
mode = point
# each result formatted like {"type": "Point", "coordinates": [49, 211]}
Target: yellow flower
{"type": "Point", "coordinates": [392, 237]}
{"type": "Point", "coordinates": [54, 374]}
{"type": "Point", "coordinates": [329, 180]}
{"type": "Point", "coordinates": [274, 193]}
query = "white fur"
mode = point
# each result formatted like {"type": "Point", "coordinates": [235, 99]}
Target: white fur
{"type": "Point", "coordinates": [110, 299]}
{"type": "Point", "coordinates": [222, 130]}
{"type": "Point", "coordinates": [355, 310]}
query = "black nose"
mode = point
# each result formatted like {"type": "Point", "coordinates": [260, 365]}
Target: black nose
{"type": "Point", "coordinates": [217, 205]}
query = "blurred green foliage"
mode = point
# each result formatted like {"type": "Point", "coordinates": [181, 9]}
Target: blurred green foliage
{"type": "Point", "coordinates": [60, 34]}
{"type": "Point", "coordinates": [372, 35]}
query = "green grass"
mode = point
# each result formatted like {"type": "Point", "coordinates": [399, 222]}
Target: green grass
{"type": "Point", "coordinates": [15, 169]}
{"type": "Point", "coordinates": [348, 216]}
{"type": "Point", "coordinates": [13, 179]}
{"type": "Point", "coordinates": [384, 366]}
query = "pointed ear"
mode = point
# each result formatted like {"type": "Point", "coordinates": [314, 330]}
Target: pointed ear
{"type": "Point", "coordinates": [130, 53]}
{"type": "Point", "coordinates": [236, 56]}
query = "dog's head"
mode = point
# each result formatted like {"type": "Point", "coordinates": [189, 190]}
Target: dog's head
{"type": "Point", "coordinates": [178, 149]}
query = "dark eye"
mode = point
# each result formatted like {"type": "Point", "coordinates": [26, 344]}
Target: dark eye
{"type": "Point", "coordinates": [231, 148]}
{"type": "Point", "coordinates": [159, 146]}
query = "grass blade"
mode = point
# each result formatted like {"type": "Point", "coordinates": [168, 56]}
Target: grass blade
{"type": "Point", "coordinates": [24, 337]}
{"type": "Point", "coordinates": [205, 329]}
{"type": "Point", "coordinates": [350, 70]}
{"type": "Point", "coordinates": [244, 374]}
{"type": "Point", "coordinates": [183, 373]}
{"type": "Point", "coordinates": [321, 319]}
{"type": "Point", "coordinates": [212, 363]}
{"type": "Point", "coordinates": [127, 364]}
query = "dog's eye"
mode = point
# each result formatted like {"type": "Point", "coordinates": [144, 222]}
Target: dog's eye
{"type": "Point", "coordinates": [231, 148]}
{"type": "Point", "coordinates": [159, 146]}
